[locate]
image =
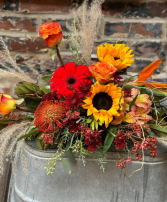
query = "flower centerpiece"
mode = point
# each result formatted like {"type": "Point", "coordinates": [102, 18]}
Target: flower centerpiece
{"type": "Point", "coordinates": [85, 107]}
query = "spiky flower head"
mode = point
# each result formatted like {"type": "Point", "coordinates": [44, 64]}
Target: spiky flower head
{"type": "Point", "coordinates": [49, 116]}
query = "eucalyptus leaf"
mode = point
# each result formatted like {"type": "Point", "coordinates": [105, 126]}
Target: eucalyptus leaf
{"type": "Point", "coordinates": [112, 130]}
{"type": "Point", "coordinates": [66, 165]}
{"type": "Point", "coordinates": [40, 144]}
{"type": "Point", "coordinates": [70, 155]}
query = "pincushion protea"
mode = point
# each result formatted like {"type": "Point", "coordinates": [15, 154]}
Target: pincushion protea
{"type": "Point", "coordinates": [49, 116]}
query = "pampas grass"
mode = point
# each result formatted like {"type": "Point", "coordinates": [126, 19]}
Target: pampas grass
{"type": "Point", "coordinates": [88, 21]}
{"type": "Point", "coordinates": [12, 71]}
{"type": "Point", "coordinates": [8, 140]}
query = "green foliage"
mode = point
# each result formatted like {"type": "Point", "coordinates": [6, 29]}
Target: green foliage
{"type": "Point", "coordinates": [159, 128]}
{"type": "Point", "coordinates": [101, 159]}
{"type": "Point", "coordinates": [32, 102]}
{"type": "Point", "coordinates": [24, 89]}
{"type": "Point", "coordinates": [69, 153]}
{"type": "Point", "coordinates": [31, 132]}
{"type": "Point", "coordinates": [66, 165]}
{"type": "Point", "coordinates": [50, 167]}
{"type": "Point", "coordinates": [111, 133]}
{"type": "Point", "coordinates": [132, 102]}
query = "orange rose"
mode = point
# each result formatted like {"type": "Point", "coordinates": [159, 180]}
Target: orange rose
{"type": "Point", "coordinates": [7, 104]}
{"type": "Point", "coordinates": [51, 32]}
{"type": "Point", "coordinates": [102, 72]}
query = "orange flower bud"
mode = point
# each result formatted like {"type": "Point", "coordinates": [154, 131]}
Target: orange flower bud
{"type": "Point", "coordinates": [102, 72]}
{"type": "Point", "coordinates": [51, 32]}
{"type": "Point", "coordinates": [7, 104]}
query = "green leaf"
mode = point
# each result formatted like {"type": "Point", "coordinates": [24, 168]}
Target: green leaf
{"type": "Point", "coordinates": [18, 90]}
{"type": "Point", "coordinates": [132, 103]}
{"type": "Point", "coordinates": [66, 165]}
{"type": "Point", "coordinates": [29, 85]}
{"type": "Point", "coordinates": [160, 113]}
{"type": "Point", "coordinates": [46, 78]}
{"type": "Point", "coordinates": [32, 131]}
{"type": "Point", "coordinates": [96, 124]}
{"type": "Point", "coordinates": [143, 91]}
{"type": "Point", "coordinates": [70, 155]}
{"type": "Point", "coordinates": [32, 102]}
{"type": "Point", "coordinates": [89, 120]}
{"type": "Point", "coordinates": [159, 128]}
{"type": "Point", "coordinates": [112, 130]}
{"type": "Point", "coordinates": [45, 90]}
{"type": "Point", "coordinates": [40, 144]}
{"type": "Point", "coordinates": [92, 125]}
{"type": "Point", "coordinates": [24, 88]}
{"type": "Point", "coordinates": [18, 102]}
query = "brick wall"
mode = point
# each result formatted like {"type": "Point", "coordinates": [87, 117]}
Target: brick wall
{"type": "Point", "coordinates": [141, 24]}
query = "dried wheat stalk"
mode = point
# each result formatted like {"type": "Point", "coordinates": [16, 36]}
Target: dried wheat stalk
{"type": "Point", "coordinates": [13, 71]}
{"type": "Point", "coordinates": [8, 139]}
{"type": "Point", "coordinates": [88, 19]}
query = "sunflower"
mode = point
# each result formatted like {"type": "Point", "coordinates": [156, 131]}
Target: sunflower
{"type": "Point", "coordinates": [118, 55]}
{"type": "Point", "coordinates": [49, 116]}
{"type": "Point", "coordinates": [104, 102]}
{"type": "Point", "coordinates": [66, 79]}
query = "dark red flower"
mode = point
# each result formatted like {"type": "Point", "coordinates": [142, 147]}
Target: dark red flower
{"type": "Point", "coordinates": [120, 140]}
{"type": "Point", "coordinates": [93, 139]}
{"type": "Point", "coordinates": [47, 97]}
{"type": "Point", "coordinates": [47, 139]}
{"type": "Point", "coordinates": [72, 125]}
{"type": "Point", "coordinates": [73, 101]}
{"type": "Point", "coordinates": [84, 88]}
{"type": "Point", "coordinates": [127, 93]}
{"type": "Point", "coordinates": [72, 114]}
{"type": "Point", "coordinates": [67, 78]}
{"type": "Point", "coordinates": [49, 115]}
{"type": "Point", "coordinates": [117, 77]}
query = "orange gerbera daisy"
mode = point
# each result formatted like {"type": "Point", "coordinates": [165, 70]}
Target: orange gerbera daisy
{"type": "Point", "coordinates": [49, 116]}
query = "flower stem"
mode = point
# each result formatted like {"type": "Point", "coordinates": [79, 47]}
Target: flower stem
{"type": "Point", "coordinates": [59, 56]}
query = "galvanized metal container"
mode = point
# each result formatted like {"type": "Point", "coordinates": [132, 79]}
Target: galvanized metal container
{"type": "Point", "coordinates": [89, 183]}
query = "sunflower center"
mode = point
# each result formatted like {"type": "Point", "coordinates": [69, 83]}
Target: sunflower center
{"type": "Point", "coordinates": [71, 81]}
{"type": "Point", "coordinates": [102, 101]}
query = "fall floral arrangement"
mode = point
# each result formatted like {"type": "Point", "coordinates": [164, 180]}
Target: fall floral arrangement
{"type": "Point", "coordinates": [87, 108]}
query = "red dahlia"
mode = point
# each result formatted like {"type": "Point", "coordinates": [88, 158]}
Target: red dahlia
{"type": "Point", "coordinates": [49, 115]}
{"type": "Point", "coordinates": [84, 88]}
{"type": "Point", "coordinates": [67, 78]}
{"type": "Point", "coordinates": [73, 101]}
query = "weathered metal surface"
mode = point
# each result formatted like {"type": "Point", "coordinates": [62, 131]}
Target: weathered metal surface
{"type": "Point", "coordinates": [89, 183]}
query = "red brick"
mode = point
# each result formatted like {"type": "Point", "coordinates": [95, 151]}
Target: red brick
{"type": "Point", "coordinates": [44, 5]}
{"type": "Point", "coordinates": [14, 23]}
{"type": "Point", "coordinates": [158, 9]}
{"type": "Point", "coordinates": [27, 44]}
{"type": "Point", "coordinates": [137, 30]}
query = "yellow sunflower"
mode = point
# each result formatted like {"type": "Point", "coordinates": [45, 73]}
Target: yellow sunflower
{"type": "Point", "coordinates": [103, 102]}
{"type": "Point", "coordinates": [118, 55]}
